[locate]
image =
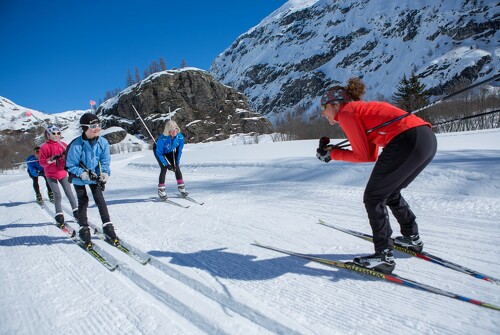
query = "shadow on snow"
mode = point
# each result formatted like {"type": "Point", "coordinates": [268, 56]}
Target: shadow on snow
{"type": "Point", "coordinates": [228, 265]}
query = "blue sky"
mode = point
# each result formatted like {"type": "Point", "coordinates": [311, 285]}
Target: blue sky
{"type": "Point", "coordinates": [57, 55]}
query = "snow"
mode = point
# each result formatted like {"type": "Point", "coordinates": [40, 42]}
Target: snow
{"type": "Point", "coordinates": [206, 276]}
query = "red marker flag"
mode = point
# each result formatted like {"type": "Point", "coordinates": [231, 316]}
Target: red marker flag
{"type": "Point", "coordinates": [92, 102]}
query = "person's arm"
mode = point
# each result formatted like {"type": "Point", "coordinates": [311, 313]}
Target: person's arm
{"type": "Point", "coordinates": [362, 150]}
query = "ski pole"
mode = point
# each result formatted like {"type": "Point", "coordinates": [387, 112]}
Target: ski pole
{"type": "Point", "coordinates": [21, 163]}
{"type": "Point", "coordinates": [140, 118]}
{"type": "Point", "coordinates": [42, 122]}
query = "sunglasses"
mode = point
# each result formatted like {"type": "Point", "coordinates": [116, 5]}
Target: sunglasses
{"type": "Point", "coordinates": [56, 133]}
{"type": "Point", "coordinates": [92, 126]}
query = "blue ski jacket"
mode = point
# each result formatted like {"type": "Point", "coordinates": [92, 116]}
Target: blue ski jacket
{"type": "Point", "coordinates": [34, 167]}
{"type": "Point", "coordinates": [94, 154]}
{"type": "Point", "coordinates": [167, 144]}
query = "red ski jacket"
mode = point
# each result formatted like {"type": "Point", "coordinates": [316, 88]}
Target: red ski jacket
{"type": "Point", "coordinates": [48, 150]}
{"type": "Point", "coordinates": [357, 117]}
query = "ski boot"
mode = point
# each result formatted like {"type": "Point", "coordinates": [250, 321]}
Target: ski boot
{"type": "Point", "coordinates": [51, 197]}
{"type": "Point", "coordinates": [161, 192]}
{"type": "Point", "coordinates": [109, 232]}
{"type": "Point", "coordinates": [39, 199]}
{"type": "Point", "coordinates": [84, 234]}
{"type": "Point", "coordinates": [382, 261]}
{"type": "Point", "coordinates": [182, 190]}
{"type": "Point", "coordinates": [60, 220]}
{"type": "Point", "coordinates": [413, 242]}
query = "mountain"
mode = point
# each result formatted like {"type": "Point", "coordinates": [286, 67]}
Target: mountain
{"type": "Point", "coordinates": [305, 46]}
{"type": "Point", "coordinates": [13, 117]}
{"type": "Point", "coordinates": [14, 121]}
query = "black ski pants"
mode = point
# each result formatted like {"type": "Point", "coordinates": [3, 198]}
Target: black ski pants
{"type": "Point", "coordinates": [171, 158]}
{"type": "Point", "coordinates": [36, 186]}
{"type": "Point", "coordinates": [83, 203]}
{"type": "Point", "coordinates": [400, 162]}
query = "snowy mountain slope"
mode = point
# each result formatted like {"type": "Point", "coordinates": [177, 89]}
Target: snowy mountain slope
{"type": "Point", "coordinates": [13, 117]}
{"type": "Point", "coordinates": [291, 56]}
{"type": "Point", "coordinates": [207, 277]}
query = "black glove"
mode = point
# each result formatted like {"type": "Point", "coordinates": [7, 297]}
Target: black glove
{"type": "Point", "coordinates": [171, 168]}
{"type": "Point", "coordinates": [323, 155]}
{"type": "Point", "coordinates": [323, 142]}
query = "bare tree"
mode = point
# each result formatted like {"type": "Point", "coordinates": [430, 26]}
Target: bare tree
{"type": "Point", "coordinates": [137, 75]}
{"type": "Point", "coordinates": [130, 79]}
{"type": "Point", "coordinates": [163, 64]}
{"type": "Point", "coordinates": [154, 67]}
{"type": "Point", "coordinates": [183, 63]}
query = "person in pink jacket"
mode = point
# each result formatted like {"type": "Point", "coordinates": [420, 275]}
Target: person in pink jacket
{"type": "Point", "coordinates": [52, 154]}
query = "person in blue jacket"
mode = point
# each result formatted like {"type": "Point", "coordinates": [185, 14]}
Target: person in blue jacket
{"type": "Point", "coordinates": [87, 161]}
{"type": "Point", "coordinates": [35, 170]}
{"type": "Point", "coordinates": [168, 152]}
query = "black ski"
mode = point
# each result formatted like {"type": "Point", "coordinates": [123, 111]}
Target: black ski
{"type": "Point", "coordinates": [94, 251]}
{"type": "Point", "coordinates": [168, 201]}
{"type": "Point", "coordinates": [122, 246]}
{"type": "Point", "coordinates": [389, 277]}
{"type": "Point", "coordinates": [422, 255]}
{"type": "Point", "coordinates": [188, 198]}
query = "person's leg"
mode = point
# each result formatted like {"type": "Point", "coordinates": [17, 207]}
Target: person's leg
{"type": "Point", "coordinates": [161, 177]}
{"type": "Point", "coordinates": [83, 202]}
{"type": "Point", "coordinates": [107, 226]}
{"type": "Point", "coordinates": [69, 194]}
{"type": "Point", "coordinates": [36, 186]}
{"type": "Point", "coordinates": [54, 185]}
{"type": "Point", "coordinates": [100, 202]}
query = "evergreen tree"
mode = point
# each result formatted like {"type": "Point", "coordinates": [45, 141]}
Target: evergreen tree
{"type": "Point", "coordinates": [183, 63]}
{"type": "Point", "coordinates": [411, 94]}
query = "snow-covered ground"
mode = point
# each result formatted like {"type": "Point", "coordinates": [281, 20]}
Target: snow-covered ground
{"type": "Point", "coordinates": [206, 276]}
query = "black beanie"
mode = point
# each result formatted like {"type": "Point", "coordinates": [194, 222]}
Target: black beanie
{"type": "Point", "coordinates": [88, 118]}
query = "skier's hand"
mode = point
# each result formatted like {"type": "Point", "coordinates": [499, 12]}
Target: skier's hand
{"type": "Point", "coordinates": [103, 178]}
{"type": "Point", "coordinates": [84, 176]}
{"type": "Point", "coordinates": [171, 168]}
{"type": "Point", "coordinates": [324, 141]}
{"type": "Point", "coordinates": [323, 155]}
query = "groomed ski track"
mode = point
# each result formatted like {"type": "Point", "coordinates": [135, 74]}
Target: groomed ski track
{"type": "Point", "coordinates": [205, 277]}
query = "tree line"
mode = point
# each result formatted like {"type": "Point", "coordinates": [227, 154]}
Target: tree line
{"type": "Point", "coordinates": [137, 76]}
{"type": "Point", "coordinates": [471, 110]}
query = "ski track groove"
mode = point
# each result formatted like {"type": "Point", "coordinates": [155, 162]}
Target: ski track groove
{"type": "Point", "coordinates": [123, 315]}
{"type": "Point", "coordinates": [202, 322]}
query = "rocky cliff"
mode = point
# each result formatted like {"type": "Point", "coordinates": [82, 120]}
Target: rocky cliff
{"type": "Point", "coordinates": [204, 109]}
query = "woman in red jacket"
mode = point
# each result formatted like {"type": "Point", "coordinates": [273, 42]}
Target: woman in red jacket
{"type": "Point", "coordinates": [408, 143]}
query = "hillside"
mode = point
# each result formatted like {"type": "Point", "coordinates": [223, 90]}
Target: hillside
{"type": "Point", "coordinates": [291, 56]}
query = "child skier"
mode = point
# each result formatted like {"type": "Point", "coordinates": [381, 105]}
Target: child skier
{"type": "Point", "coordinates": [168, 152]}
{"type": "Point", "coordinates": [87, 161]}
{"type": "Point", "coordinates": [52, 160]}
{"type": "Point", "coordinates": [35, 170]}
